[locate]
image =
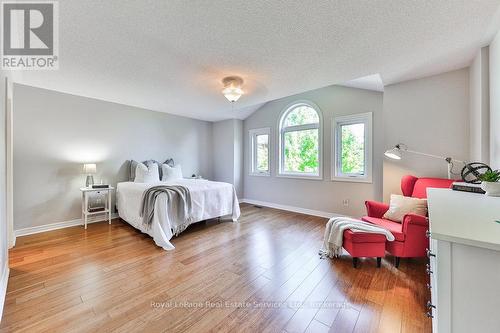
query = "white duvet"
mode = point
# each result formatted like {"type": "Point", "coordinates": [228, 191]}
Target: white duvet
{"type": "Point", "coordinates": [209, 200]}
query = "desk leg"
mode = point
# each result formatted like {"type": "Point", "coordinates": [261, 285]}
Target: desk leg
{"type": "Point", "coordinates": [109, 207]}
{"type": "Point", "coordinates": [86, 201]}
{"type": "Point", "coordinates": [83, 205]}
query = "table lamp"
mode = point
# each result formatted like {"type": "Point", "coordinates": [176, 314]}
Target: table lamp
{"type": "Point", "coordinates": [89, 169]}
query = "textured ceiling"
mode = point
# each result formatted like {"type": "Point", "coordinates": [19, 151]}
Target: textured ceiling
{"type": "Point", "coordinates": [370, 82]}
{"type": "Point", "coordinates": [171, 55]}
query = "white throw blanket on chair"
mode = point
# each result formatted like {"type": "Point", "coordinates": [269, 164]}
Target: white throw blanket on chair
{"type": "Point", "coordinates": [334, 233]}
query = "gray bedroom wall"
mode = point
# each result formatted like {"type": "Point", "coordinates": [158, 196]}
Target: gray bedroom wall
{"type": "Point", "coordinates": [321, 195]}
{"type": "Point", "coordinates": [55, 133]}
{"type": "Point", "coordinates": [223, 144]}
{"type": "Point", "coordinates": [429, 115]}
{"type": "Point", "coordinates": [494, 58]}
{"type": "Point", "coordinates": [479, 101]}
{"type": "Point", "coordinates": [4, 260]}
{"type": "Point", "coordinates": [228, 153]}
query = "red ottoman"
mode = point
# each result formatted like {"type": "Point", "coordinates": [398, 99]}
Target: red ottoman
{"type": "Point", "coordinates": [361, 244]}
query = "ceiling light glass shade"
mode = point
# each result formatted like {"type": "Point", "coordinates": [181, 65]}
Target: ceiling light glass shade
{"type": "Point", "coordinates": [232, 93]}
{"type": "Point", "coordinates": [89, 168]}
{"type": "Point", "coordinates": [393, 153]}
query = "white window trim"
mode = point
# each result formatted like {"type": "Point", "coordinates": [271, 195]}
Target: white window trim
{"type": "Point", "coordinates": [367, 119]}
{"type": "Point", "coordinates": [281, 149]}
{"type": "Point", "coordinates": [253, 153]}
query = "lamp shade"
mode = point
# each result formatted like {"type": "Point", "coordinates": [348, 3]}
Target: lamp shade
{"type": "Point", "coordinates": [89, 168]}
{"type": "Point", "coordinates": [232, 88]}
{"type": "Point", "coordinates": [393, 153]}
{"type": "Point", "coordinates": [232, 93]}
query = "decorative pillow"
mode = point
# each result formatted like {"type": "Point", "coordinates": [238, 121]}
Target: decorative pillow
{"type": "Point", "coordinates": [170, 162]}
{"type": "Point", "coordinates": [133, 166]}
{"type": "Point", "coordinates": [401, 205]}
{"type": "Point", "coordinates": [171, 173]}
{"type": "Point", "coordinates": [147, 173]}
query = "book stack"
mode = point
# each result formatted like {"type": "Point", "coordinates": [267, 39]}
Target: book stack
{"type": "Point", "coordinates": [467, 187]}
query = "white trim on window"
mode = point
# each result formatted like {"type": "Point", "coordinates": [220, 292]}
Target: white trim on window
{"type": "Point", "coordinates": [337, 123]}
{"type": "Point", "coordinates": [253, 133]}
{"type": "Point", "coordinates": [280, 139]}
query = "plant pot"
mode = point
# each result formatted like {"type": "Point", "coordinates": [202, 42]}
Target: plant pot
{"type": "Point", "coordinates": [491, 188]}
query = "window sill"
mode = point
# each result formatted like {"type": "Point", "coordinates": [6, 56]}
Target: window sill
{"type": "Point", "coordinates": [352, 180]}
{"type": "Point", "coordinates": [259, 174]}
{"type": "Point", "coordinates": [285, 175]}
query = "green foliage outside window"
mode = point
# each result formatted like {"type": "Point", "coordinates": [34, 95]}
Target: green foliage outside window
{"type": "Point", "coordinates": [353, 149]}
{"type": "Point", "coordinates": [263, 152]}
{"type": "Point", "coordinates": [300, 116]}
{"type": "Point", "coordinates": [301, 146]}
{"type": "Point", "coordinates": [302, 151]}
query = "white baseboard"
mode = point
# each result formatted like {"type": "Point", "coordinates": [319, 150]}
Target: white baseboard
{"type": "Point", "coordinates": [3, 287]}
{"type": "Point", "coordinates": [59, 225]}
{"type": "Point", "coordinates": [291, 208]}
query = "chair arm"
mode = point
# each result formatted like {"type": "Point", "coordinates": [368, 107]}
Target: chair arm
{"type": "Point", "coordinates": [376, 209]}
{"type": "Point", "coordinates": [414, 219]}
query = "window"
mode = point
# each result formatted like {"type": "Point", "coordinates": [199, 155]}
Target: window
{"type": "Point", "coordinates": [300, 140]}
{"type": "Point", "coordinates": [259, 152]}
{"type": "Point", "coordinates": [352, 148]}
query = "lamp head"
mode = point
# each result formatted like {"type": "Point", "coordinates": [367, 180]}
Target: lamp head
{"type": "Point", "coordinates": [394, 153]}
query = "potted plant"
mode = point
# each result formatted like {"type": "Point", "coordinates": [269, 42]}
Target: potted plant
{"type": "Point", "coordinates": [490, 184]}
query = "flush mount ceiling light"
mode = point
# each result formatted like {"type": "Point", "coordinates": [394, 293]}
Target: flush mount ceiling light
{"type": "Point", "coordinates": [232, 88]}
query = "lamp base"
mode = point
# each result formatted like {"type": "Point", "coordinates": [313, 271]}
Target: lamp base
{"type": "Point", "coordinates": [90, 181]}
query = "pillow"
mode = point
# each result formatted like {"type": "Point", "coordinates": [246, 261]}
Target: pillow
{"type": "Point", "coordinates": [171, 173]}
{"type": "Point", "coordinates": [147, 173]}
{"type": "Point", "coordinates": [401, 205]}
{"type": "Point", "coordinates": [133, 166]}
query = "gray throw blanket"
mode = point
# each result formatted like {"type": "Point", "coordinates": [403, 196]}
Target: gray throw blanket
{"type": "Point", "coordinates": [178, 206]}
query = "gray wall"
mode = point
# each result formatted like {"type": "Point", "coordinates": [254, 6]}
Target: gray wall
{"type": "Point", "coordinates": [54, 133]}
{"type": "Point", "coordinates": [429, 115]}
{"type": "Point", "coordinates": [228, 153]}
{"type": "Point", "coordinates": [495, 102]}
{"type": "Point", "coordinates": [3, 217]}
{"type": "Point", "coordinates": [479, 95]}
{"type": "Point", "coordinates": [322, 195]}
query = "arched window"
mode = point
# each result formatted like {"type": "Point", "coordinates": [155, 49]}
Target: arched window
{"type": "Point", "coordinates": [300, 141]}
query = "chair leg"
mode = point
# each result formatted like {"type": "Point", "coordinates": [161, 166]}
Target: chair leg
{"type": "Point", "coordinates": [379, 261]}
{"type": "Point", "coordinates": [397, 262]}
{"type": "Point", "coordinates": [355, 262]}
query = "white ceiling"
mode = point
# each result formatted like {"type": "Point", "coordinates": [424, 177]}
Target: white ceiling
{"type": "Point", "coordinates": [171, 55]}
{"type": "Point", "coordinates": [370, 82]}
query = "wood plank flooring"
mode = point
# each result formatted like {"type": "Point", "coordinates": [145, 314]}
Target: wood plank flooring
{"type": "Point", "coordinates": [262, 274]}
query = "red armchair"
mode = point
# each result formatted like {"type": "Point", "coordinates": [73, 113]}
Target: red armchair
{"type": "Point", "coordinates": [411, 239]}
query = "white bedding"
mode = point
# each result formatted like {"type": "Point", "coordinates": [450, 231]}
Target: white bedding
{"type": "Point", "coordinates": [209, 200]}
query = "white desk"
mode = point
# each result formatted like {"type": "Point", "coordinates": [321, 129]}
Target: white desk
{"type": "Point", "coordinates": [464, 261]}
{"type": "Point", "coordinates": [85, 202]}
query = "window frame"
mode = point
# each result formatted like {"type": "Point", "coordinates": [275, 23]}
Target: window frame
{"type": "Point", "coordinates": [253, 133]}
{"type": "Point", "coordinates": [337, 122]}
{"type": "Point", "coordinates": [281, 142]}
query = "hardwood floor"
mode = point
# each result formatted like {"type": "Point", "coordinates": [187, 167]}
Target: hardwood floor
{"type": "Point", "coordinates": [222, 277]}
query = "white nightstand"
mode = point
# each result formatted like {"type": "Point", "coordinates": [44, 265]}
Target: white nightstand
{"type": "Point", "coordinates": [85, 202]}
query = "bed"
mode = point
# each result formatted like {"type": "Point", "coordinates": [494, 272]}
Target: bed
{"type": "Point", "coordinates": [209, 200]}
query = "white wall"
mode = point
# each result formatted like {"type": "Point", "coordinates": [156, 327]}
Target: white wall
{"type": "Point", "coordinates": [495, 102]}
{"type": "Point", "coordinates": [429, 115]}
{"type": "Point", "coordinates": [54, 133]}
{"type": "Point", "coordinates": [479, 94]}
{"type": "Point", "coordinates": [228, 153]}
{"type": "Point", "coordinates": [4, 268]}
{"type": "Point", "coordinates": [321, 195]}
